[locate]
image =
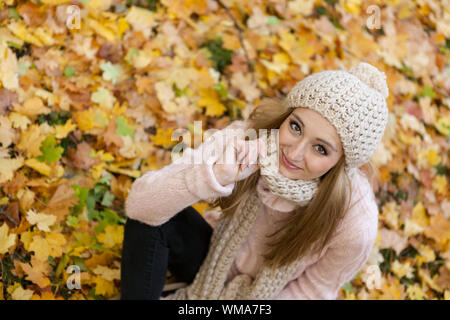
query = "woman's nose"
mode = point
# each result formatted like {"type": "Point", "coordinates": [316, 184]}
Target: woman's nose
{"type": "Point", "coordinates": [296, 153]}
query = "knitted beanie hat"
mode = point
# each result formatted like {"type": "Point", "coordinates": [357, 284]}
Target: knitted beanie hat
{"type": "Point", "coordinates": [353, 101]}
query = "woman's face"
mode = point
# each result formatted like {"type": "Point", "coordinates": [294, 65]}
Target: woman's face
{"type": "Point", "coordinates": [309, 142]}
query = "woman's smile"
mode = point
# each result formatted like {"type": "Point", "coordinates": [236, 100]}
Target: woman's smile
{"type": "Point", "coordinates": [288, 164]}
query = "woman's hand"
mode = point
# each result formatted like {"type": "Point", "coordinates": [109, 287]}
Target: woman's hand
{"type": "Point", "coordinates": [237, 161]}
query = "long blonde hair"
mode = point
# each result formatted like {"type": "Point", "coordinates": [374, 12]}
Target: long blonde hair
{"type": "Point", "coordinates": [309, 228]}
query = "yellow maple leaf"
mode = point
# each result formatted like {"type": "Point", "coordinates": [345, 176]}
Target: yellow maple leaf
{"type": "Point", "coordinates": [20, 30]}
{"type": "Point", "coordinates": [40, 247]}
{"type": "Point", "coordinates": [439, 229]}
{"type": "Point", "coordinates": [40, 167]}
{"type": "Point", "coordinates": [112, 236]}
{"type": "Point", "coordinates": [390, 214]}
{"type": "Point", "coordinates": [61, 131]}
{"type": "Point", "coordinates": [298, 49]}
{"type": "Point", "coordinates": [8, 68]}
{"type": "Point", "coordinates": [433, 157]}
{"type": "Point", "coordinates": [352, 6]}
{"type": "Point", "coordinates": [104, 287]}
{"type": "Point", "coordinates": [391, 289]}
{"type": "Point", "coordinates": [19, 121]}
{"type": "Point", "coordinates": [440, 184]}
{"type": "Point", "coordinates": [122, 26]}
{"type": "Point", "coordinates": [402, 269]}
{"type": "Point", "coordinates": [163, 137]}
{"type": "Point", "coordinates": [44, 35]}
{"type": "Point", "coordinates": [32, 107]}
{"type": "Point", "coordinates": [426, 254]}
{"type": "Point", "coordinates": [141, 19]}
{"type": "Point", "coordinates": [415, 292]}
{"type": "Point", "coordinates": [43, 221]}
{"type": "Point", "coordinates": [85, 119]}
{"type": "Point", "coordinates": [19, 293]}
{"type": "Point", "coordinates": [6, 241]}
{"type": "Point", "coordinates": [210, 100]}
{"type": "Point", "coordinates": [26, 238]}
{"type": "Point", "coordinates": [30, 141]}
{"type": "Point", "coordinates": [103, 28]}
{"type": "Point", "coordinates": [46, 295]}
{"type": "Point", "coordinates": [107, 273]}
{"type": "Point", "coordinates": [52, 245]}
{"type": "Point", "coordinates": [8, 167]}
{"type": "Point", "coordinates": [443, 125]}
{"type": "Point", "coordinates": [419, 215]}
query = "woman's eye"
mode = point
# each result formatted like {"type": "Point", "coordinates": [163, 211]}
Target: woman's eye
{"type": "Point", "coordinates": [292, 124]}
{"type": "Point", "coordinates": [296, 127]}
{"type": "Point", "coordinates": [324, 151]}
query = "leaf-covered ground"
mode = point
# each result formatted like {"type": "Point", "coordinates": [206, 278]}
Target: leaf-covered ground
{"type": "Point", "coordinates": [89, 99]}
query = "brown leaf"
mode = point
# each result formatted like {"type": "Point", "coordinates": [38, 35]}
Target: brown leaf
{"type": "Point", "coordinates": [110, 136]}
{"type": "Point", "coordinates": [81, 157]}
{"type": "Point", "coordinates": [31, 14]}
{"type": "Point", "coordinates": [11, 214]}
{"type": "Point", "coordinates": [110, 52]}
{"type": "Point", "coordinates": [439, 229]}
{"type": "Point", "coordinates": [37, 272]}
{"type": "Point", "coordinates": [61, 201]}
{"type": "Point", "coordinates": [443, 280]}
{"type": "Point", "coordinates": [7, 98]}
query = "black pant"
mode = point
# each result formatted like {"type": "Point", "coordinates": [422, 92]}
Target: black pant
{"type": "Point", "coordinates": [180, 245]}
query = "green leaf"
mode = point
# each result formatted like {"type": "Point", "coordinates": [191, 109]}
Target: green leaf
{"type": "Point", "coordinates": [108, 197]}
{"type": "Point", "coordinates": [348, 287]}
{"type": "Point", "coordinates": [428, 92]}
{"type": "Point", "coordinates": [179, 92]}
{"type": "Point", "coordinates": [72, 221]}
{"type": "Point", "coordinates": [51, 260]}
{"type": "Point", "coordinates": [131, 53]}
{"type": "Point", "coordinates": [61, 265]}
{"type": "Point", "coordinates": [82, 194]}
{"type": "Point", "coordinates": [22, 69]}
{"type": "Point", "coordinates": [220, 57]}
{"type": "Point", "coordinates": [55, 118]}
{"type": "Point", "coordinates": [123, 128]}
{"type": "Point", "coordinates": [106, 178]}
{"type": "Point", "coordinates": [69, 71]}
{"type": "Point", "coordinates": [79, 262]}
{"type": "Point", "coordinates": [221, 90]}
{"type": "Point", "coordinates": [50, 153]}
{"type": "Point", "coordinates": [13, 45]}
{"type": "Point", "coordinates": [108, 217]}
{"type": "Point", "coordinates": [90, 206]}
{"type": "Point", "coordinates": [273, 20]}
{"type": "Point", "coordinates": [110, 72]}
{"type": "Point", "coordinates": [12, 14]}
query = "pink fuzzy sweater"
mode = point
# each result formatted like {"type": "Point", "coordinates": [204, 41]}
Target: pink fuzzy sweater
{"type": "Point", "coordinates": [158, 195]}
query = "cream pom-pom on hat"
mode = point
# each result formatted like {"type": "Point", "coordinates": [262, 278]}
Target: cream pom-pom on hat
{"type": "Point", "coordinates": [353, 101]}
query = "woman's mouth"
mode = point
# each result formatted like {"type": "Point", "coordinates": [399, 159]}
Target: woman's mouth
{"type": "Point", "coordinates": [287, 164]}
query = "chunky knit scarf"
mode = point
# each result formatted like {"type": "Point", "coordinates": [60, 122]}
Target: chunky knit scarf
{"type": "Point", "coordinates": [229, 235]}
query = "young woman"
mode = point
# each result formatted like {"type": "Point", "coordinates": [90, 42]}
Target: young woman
{"type": "Point", "coordinates": [298, 224]}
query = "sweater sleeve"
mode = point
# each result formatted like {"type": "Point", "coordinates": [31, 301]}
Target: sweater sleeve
{"type": "Point", "coordinates": [157, 196]}
{"type": "Point", "coordinates": [340, 263]}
